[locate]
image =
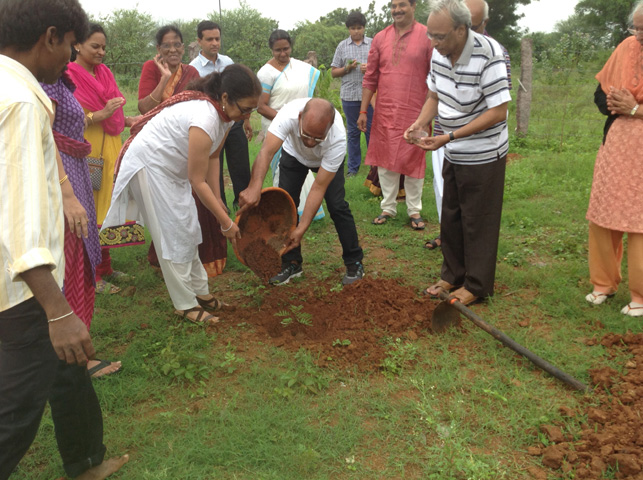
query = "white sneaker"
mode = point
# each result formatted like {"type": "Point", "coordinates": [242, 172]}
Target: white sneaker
{"type": "Point", "coordinates": [597, 298]}
{"type": "Point", "coordinates": [633, 309]}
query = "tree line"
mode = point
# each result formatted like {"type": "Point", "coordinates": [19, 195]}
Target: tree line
{"type": "Point", "coordinates": [600, 24]}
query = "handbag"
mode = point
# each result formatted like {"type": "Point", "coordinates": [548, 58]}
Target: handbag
{"type": "Point", "coordinates": [95, 165]}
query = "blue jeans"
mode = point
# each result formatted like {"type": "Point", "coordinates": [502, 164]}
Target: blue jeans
{"type": "Point", "coordinates": [353, 134]}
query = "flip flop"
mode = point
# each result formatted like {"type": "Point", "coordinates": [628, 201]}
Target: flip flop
{"type": "Point", "coordinates": [415, 223]}
{"type": "Point", "coordinates": [199, 320]}
{"type": "Point", "coordinates": [105, 287]}
{"type": "Point", "coordinates": [381, 219]}
{"type": "Point", "coordinates": [102, 364]}
{"type": "Point", "coordinates": [633, 309]}
{"type": "Point", "coordinates": [597, 298]}
{"type": "Point", "coordinates": [433, 244]}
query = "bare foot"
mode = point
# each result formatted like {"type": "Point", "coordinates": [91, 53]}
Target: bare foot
{"type": "Point", "coordinates": [96, 370]}
{"type": "Point", "coordinates": [105, 469]}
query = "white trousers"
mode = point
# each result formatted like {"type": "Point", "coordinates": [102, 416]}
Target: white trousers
{"type": "Point", "coordinates": [184, 281]}
{"type": "Point", "coordinates": [437, 158]}
{"type": "Point", "coordinates": [390, 184]}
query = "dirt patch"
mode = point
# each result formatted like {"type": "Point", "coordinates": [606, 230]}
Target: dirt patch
{"type": "Point", "coordinates": [347, 328]}
{"type": "Point", "coordinates": [612, 439]}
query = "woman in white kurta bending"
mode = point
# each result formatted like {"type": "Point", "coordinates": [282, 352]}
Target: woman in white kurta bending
{"type": "Point", "coordinates": [177, 150]}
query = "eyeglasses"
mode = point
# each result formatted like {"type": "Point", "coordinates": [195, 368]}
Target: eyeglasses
{"type": "Point", "coordinates": [168, 46]}
{"type": "Point", "coordinates": [635, 30]}
{"type": "Point", "coordinates": [438, 38]}
{"type": "Point", "coordinates": [245, 111]}
{"type": "Point", "coordinates": [308, 137]}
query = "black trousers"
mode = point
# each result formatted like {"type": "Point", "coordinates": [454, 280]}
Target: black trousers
{"type": "Point", "coordinates": [31, 375]}
{"type": "Point", "coordinates": [237, 157]}
{"type": "Point", "coordinates": [292, 175]}
{"type": "Point", "coordinates": [470, 226]}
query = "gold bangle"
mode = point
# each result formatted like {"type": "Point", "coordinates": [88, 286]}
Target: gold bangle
{"type": "Point", "coordinates": [62, 180]}
{"type": "Point", "coordinates": [90, 117]}
{"type": "Point", "coordinates": [157, 101]}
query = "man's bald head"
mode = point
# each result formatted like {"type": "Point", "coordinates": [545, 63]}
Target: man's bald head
{"type": "Point", "coordinates": [316, 119]}
{"type": "Point", "coordinates": [479, 14]}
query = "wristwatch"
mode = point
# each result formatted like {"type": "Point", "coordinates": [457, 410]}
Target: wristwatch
{"type": "Point", "coordinates": [451, 136]}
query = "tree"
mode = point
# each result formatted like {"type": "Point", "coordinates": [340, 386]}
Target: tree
{"type": "Point", "coordinates": [318, 37]}
{"type": "Point", "coordinates": [244, 35]}
{"type": "Point", "coordinates": [503, 22]}
{"type": "Point", "coordinates": [605, 18]}
{"type": "Point", "coordinates": [129, 43]}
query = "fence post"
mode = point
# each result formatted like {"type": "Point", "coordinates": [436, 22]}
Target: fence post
{"type": "Point", "coordinates": [523, 107]}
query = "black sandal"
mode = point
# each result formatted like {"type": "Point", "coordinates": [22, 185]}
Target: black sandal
{"type": "Point", "coordinates": [381, 219]}
{"type": "Point", "coordinates": [199, 320]}
{"type": "Point", "coordinates": [433, 244]}
{"type": "Point", "coordinates": [415, 223]}
{"type": "Point", "coordinates": [213, 304]}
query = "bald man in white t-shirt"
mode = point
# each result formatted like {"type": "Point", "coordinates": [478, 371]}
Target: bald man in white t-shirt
{"type": "Point", "coordinates": [311, 135]}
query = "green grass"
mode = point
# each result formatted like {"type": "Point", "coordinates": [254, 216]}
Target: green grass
{"type": "Point", "coordinates": [453, 406]}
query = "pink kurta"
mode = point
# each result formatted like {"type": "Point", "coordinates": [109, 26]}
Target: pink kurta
{"type": "Point", "coordinates": [397, 70]}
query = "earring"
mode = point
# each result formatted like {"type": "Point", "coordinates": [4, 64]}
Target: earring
{"type": "Point", "coordinates": [223, 107]}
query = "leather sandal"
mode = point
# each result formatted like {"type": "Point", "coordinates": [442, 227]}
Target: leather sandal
{"type": "Point", "coordinates": [203, 317]}
{"type": "Point", "coordinates": [465, 297]}
{"type": "Point", "coordinates": [213, 304]}
{"type": "Point", "coordinates": [433, 244]}
{"type": "Point", "coordinates": [441, 286]}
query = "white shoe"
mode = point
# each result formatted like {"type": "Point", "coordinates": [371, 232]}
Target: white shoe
{"type": "Point", "coordinates": [597, 298]}
{"type": "Point", "coordinates": [633, 309]}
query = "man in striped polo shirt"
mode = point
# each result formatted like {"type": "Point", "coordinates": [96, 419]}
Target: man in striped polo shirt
{"type": "Point", "coordinates": [468, 89]}
{"type": "Point", "coordinates": [479, 18]}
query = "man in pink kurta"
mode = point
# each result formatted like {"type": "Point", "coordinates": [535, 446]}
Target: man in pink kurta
{"type": "Point", "coordinates": [398, 66]}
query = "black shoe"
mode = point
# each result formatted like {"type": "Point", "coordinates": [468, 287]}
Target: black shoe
{"type": "Point", "coordinates": [351, 174]}
{"type": "Point", "coordinates": [288, 271]}
{"type": "Point", "coordinates": [354, 272]}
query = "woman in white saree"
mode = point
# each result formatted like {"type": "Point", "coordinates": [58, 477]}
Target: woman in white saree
{"type": "Point", "coordinates": [284, 79]}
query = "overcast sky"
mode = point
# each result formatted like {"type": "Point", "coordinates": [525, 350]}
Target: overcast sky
{"type": "Point", "coordinates": [540, 16]}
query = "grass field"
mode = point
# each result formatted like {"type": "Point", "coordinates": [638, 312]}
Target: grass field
{"type": "Point", "coordinates": [226, 404]}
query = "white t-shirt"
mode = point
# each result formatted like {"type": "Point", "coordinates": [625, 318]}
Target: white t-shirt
{"type": "Point", "coordinates": [328, 155]}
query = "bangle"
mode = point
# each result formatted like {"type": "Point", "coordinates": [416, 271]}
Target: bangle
{"type": "Point", "coordinates": [366, 113]}
{"type": "Point", "coordinates": [90, 117]}
{"type": "Point", "coordinates": [231, 223]}
{"type": "Point", "coordinates": [60, 318]}
{"type": "Point", "coordinates": [636, 107]}
{"type": "Point", "coordinates": [64, 179]}
{"type": "Point", "coordinates": [157, 101]}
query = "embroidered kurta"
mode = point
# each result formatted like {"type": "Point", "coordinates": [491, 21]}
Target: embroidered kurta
{"type": "Point", "coordinates": [397, 70]}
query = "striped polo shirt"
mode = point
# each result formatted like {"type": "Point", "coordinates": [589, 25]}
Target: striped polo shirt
{"type": "Point", "coordinates": [476, 83]}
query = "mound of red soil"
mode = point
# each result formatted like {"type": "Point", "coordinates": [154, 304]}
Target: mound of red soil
{"type": "Point", "coordinates": [345, 328]}
{"type": "Point", "coordinates": [612, 440]}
